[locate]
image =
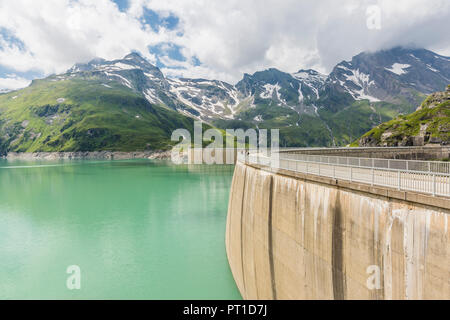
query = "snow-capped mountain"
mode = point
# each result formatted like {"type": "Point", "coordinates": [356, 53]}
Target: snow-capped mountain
{"type": "Point", "coordinates": [210, 99]}
{"type": "Point", "coordinates": [312, 108]}
{"type": "Point", "coordinates": [296, 91]}
{"type": "Point", "coordinates": [388, 76]}
{"type": "Point", "coordinates": [391, 74]}
{"type": "Point", "coordinates": [132, 71]}
{"type": "Point", "coordinates": [271, 86]}
{"type": "Point", "coordinates": [311, 82]}
{"type": "Point", "coordinates": [204, 99]}
{"type": "Point", "coordinates": [196, 98]}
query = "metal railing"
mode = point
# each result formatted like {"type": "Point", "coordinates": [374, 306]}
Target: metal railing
{"type": "Point", "coordinates": [301, 149]}
{"type": "Point", "coordinates": [427, 182]}
{"type": "Point", "coordinates": [407, 165]}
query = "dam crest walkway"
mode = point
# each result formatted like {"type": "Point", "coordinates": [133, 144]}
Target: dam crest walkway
{"type": "Point", "coordinates": [427, 177]}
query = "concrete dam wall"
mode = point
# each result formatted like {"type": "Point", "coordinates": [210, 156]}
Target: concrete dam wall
{"type": "Point", "coordinates": [295, 237]}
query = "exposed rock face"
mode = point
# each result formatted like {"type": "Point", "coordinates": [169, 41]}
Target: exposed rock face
{"type": "Point", "coordinates": [429, 125]}
{"type": "Point", "coordinates": [436, 99]}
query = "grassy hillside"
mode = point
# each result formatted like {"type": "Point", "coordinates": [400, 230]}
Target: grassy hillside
{"type": "Point", "coordinates": [84, 115]}
{"type": "Point", "coordinates": [326, 127]}
{"type": "Point", "coordinates": [349, 123]}
{"type": "Point", "coordinates": [430, 123]}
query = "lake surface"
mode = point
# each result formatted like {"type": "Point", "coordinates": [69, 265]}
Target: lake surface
{"type": "Point", "coordinates": [137, 230]}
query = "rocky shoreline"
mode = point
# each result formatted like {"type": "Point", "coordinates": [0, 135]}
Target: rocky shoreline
{"type": "Point", "coordinates": [94, 155]}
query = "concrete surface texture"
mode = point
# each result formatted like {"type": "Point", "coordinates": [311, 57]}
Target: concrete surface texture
{"type": "Point", "coordinates": [294, 238]}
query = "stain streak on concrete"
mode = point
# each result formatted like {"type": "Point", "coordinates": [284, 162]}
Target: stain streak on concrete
{"type": "Point", "coordinates": [338, 253]}
{"type": "Point", "coordinates": [270, 242]}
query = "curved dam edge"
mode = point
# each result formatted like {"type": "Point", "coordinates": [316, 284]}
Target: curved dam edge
{"type": "Point", "coordinates": [294, 238]}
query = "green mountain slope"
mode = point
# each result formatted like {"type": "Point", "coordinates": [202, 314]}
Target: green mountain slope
{"type": "Point", "coordinates": [324, 127]}
{"type": "Point", "coordinates": [429, 124]}
{"type": "Point", "coordinates": [84, 115]}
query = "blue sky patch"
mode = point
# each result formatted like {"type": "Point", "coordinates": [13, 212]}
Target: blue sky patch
{"type": "Point", "coordinates": [6, 72]}
{"type": "Point", "coordinates": [122, 4]}
{"type": "Point", "coordinates": [10, 73]}
{"type": "Point", "coordinates": [156, 21]}
{"type": "Point", "coordinates": [170, 50]}
{"type": "Point", "coordinates": [9, 37]}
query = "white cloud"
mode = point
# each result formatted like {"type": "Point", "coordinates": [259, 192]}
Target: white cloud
{"type": "Point", "coordinates": [58, 33]}
{"type": "Point", "coordinates": [234, 36]}
{"type": "Point", "coordinates": [13, 82]}
{"type": "Point", "coordinates": [228, 37]}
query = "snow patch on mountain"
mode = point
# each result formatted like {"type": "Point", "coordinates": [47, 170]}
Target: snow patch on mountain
{"type": "Point", "coordinates": [360, 95]}
{"type": "Point", "coordinates": [151, 96]}
{"type": "Point", "coordinates": [300, 94]}
{"type": "Point", "coordinates": [311, 79]}
{"type": "Point", "coordinates": [124, 81]}
{"type": "Point", "coordinates": [398, 68]}
{"type": "Point", "coordinates": [431, 68]}
{"type": "Point", "coordinates": [310, 76]}
{"type": "Point", "coordinates": [123, 66]}
{"type": "Point", "coordinates": [269, 90]}
{"type": "Point", "coordinates": [258, 118]}
{"type": "Point", "coordinates": [210, 98]}
{"type": "Point", "coordinates": [355, 82]}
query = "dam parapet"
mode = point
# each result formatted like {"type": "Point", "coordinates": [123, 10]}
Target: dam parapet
{"type": "Point", "coordinates": [434, 152]}
{"type": "Point", "coordinates": [314, 230]}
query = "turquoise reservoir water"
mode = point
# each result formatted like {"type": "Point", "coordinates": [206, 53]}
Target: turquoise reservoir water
{"type": "Point", "coordinates": [136, 229]}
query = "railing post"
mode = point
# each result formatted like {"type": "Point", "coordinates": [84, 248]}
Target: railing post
{"type": "Point", "coordinates": [351, 174]}
{"type": "Point", "coordinates": [334, 171]}
{"type": "Point", "coordinates": [373, 176]}
{"type": "Point", "coordinates": [399, 180]}
{"type": "Point", "coordinates": [434, 185]}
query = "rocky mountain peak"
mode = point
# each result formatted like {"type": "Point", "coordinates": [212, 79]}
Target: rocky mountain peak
{"type": "Point", "coordinates": [134, 56]}
{"type": "Point", "coordinates": [436, 99]}
{"type": "Point", "coordinates": [309, 73]}
{"type": "Point", "coordinates": [392, 75]}
{"type": "Point", "coordinates": [138, 61]}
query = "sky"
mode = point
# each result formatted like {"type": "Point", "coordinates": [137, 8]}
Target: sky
{"type": "Point", "coordinates": [211, 39]}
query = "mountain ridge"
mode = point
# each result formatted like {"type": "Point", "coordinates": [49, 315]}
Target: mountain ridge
{"type": "Point", "coordinates": [348, 77]}
{"type": "Point", "coordinates": [309, 108]}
